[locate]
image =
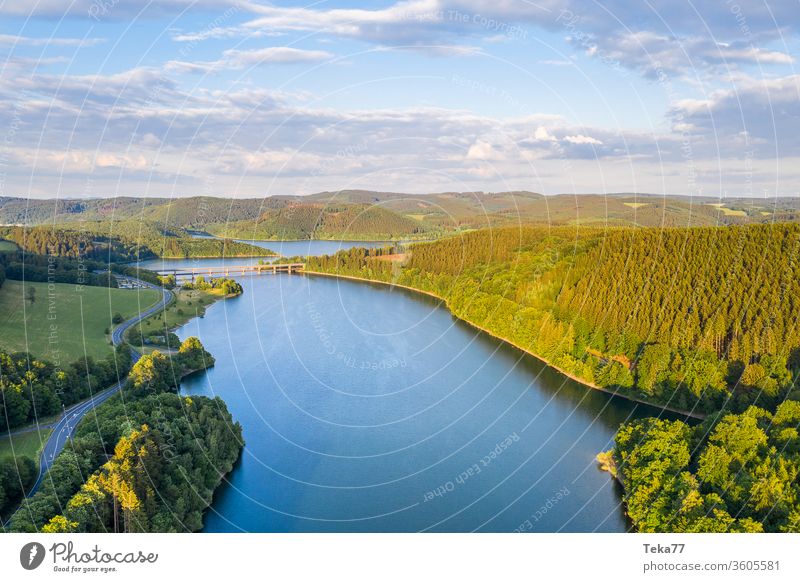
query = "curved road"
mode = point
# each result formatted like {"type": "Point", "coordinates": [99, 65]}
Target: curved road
{"type": "Point", "coordinates": [65, 427]}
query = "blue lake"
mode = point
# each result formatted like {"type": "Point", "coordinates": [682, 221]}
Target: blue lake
{"type": "Point", "coordinates": [367, 408]}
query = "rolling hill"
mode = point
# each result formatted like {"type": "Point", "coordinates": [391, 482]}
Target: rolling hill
{"type": "Point", "coordinates": [364, 214]}
{"type": "Point", "coordinates": [325, 221]}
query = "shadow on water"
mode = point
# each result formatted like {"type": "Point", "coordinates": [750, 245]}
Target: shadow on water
{"type": "Point", "coordinates": [554, 382]}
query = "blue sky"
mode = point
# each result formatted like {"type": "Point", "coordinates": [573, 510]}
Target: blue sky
{"type": "Point", "coordinates": [177, 98]}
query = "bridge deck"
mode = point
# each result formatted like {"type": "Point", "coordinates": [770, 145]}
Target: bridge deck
{"type": "Point", "coordinates": [233, 269]}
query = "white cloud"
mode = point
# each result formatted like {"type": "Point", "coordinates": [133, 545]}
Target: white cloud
{"type": "Point", "coordinates": [430, 26]}
{"type": "Point", "coordinates": [247, 133]}
{"type": "Point", "coordinates": [661, 35]}
{"type": "Point", "coordinates": [582, 139]}
{"type": "Point", "coordinates": [399, 21]}
{"type": "Point", "coordinates": [240, 59]}
{"type": "Point", "coordinates": [114, 9]}
{"type": "Point", "coordinates": [80, 161]}
{"type": "Point", "coordinates": [483, 150]}
{"type": "Point", "coordinates": [755, 55]}
{"type": "Point", "coordinates": [16, 40]}
{"type": "Point", "coordinates": [557, 62]}
{"type": "Point", "coordinates": [139, 123]}
{"type": "Point", "coordinates": [278, 54]}
{"type": "Point", "coordinates": [756, 117]}
{"type": "Point", "coordinates": [436, 50]}
{"type": "Point", "coordinates": [657, 54]}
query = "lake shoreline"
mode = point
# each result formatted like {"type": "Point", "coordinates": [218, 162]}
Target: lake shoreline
{"type": "Point", "coordinates": [571, 376]}
{"type": "Point", "coordinates": [186, 318]}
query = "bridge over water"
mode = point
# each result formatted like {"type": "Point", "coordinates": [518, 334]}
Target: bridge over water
{"type": "Point", "coordinates": [232, 270]}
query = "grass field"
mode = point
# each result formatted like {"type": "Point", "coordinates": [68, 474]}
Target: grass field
{"type": "Point", "coordinates": [7, 245]}
{"type": "Point", "coordinates": [727, 211]}
{"type": "Point", "coordinates": [635, 205]}
{"type": "Point", "coordinates": [732, 212]}
{"type": "Point", "coordinates": [27, 444]}
{"type": "Point", "coordinates": [68, 323]}
{"type": "Point", "coordinates": [187, 305]}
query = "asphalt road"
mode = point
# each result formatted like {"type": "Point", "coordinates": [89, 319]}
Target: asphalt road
{"type": "Point", "coordinates": [65, 427]}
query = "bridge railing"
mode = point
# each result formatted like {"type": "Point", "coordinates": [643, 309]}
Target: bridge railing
{"type": "Point", "coordinates": [235, 269]}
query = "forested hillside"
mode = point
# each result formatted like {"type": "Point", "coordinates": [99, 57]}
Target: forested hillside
{"type": "Point", "coordinates": [31, 211]}
{"type": "Point", "coordinates": [21, 265]}
{"type": "Point", "coordinates": [323, 221]}
{"type": "Point", "coordinates": [735, 472]}
{"type": "Point", "coordinates": [187, 212]}
{"type": "Point", "coordinates": [733, 291]}
{"type": "Point", "coordinates": [128, 240]}
{"type": "Point", "coordinates": [31, 388]}
{"type": "Point", "coordinates": [146, 460]}
{"type": "Point", "coordinates": [397, 214]}
{"type": "Point", "coordinates": [58, 242]}
{"type": "Point", "coordinates": [152, 239]}
{"type": "Point", "coordinates": [150, 464]}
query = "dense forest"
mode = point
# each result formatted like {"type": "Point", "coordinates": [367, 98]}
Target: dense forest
{"type": "Point", "coordinates": [22, 266]}
{"type": "Point", "coordinates": [59, 242]}
{"type": "Point", "coordinates": [151, 239]}
{"type": "Point", "coordinates": [701, 320]}
{"type": "Point", "coordinates": [32, 388]}
{"type": "Point", "coordinates": [732, 291]}
{"type": "Point", "coordinates": [733, 472]}
{"type": "Point", "coordinates": [323, 221]}
{"type": "Point", "coordinates": [148, 460]}
{"type": "Point", "coordinates": [16, 476]}
{"type": "Point", "coordinates": [123, 241]}
{"type": "Point", "coordinates": [191, 212]}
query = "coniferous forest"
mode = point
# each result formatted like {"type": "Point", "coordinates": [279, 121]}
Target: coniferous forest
{"type": "Point", "coordinates": [701, 320]}
{"type": "Point", "coordinates": [116, 241]}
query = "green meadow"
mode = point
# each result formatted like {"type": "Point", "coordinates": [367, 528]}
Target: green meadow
{"type": "Point", "coordinates": [26, 444]}
{"type": "Point", "coordinates": [64, 321]}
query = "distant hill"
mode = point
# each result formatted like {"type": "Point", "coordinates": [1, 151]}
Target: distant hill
{"type": "Point", "coordinates": [124, 240]}
{"type": "Point", "coordinates": [364, 214]}
{"type": "Point", "coordinates": [324, 220]}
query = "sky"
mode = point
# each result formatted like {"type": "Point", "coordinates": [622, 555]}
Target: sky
{"type": "Point", "coordinates": [254, 98]}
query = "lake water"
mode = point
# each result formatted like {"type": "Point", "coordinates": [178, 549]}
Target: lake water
{"type": "Point", "coordinates": [286, 248]}
{"type": "Point", "coordinates": [304, 248]}
{"type": "Point", "coordinates": [367, 408]}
